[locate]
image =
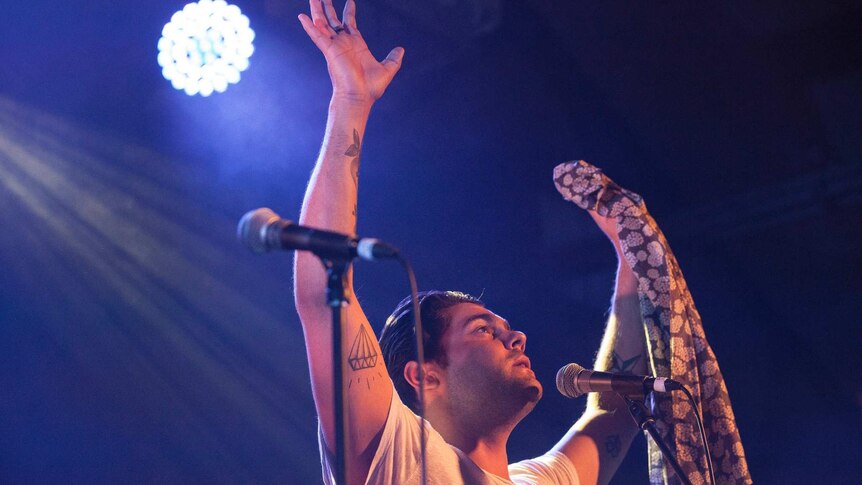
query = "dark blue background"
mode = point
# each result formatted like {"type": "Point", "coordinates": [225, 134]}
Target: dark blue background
{"type": "Point", "coordinates": [140, 342]}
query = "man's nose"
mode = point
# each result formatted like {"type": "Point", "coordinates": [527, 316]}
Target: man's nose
{"type": "Point", "coordinates": [516, 340]}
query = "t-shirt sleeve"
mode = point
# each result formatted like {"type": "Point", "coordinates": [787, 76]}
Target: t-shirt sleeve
{"type": "Point", "coordinates": [400, 439]}
{"type": "Point", "coordinates": [552, 468]}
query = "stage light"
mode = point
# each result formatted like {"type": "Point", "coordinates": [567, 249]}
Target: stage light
{"type": "Point", "coordinates": [205, 47]}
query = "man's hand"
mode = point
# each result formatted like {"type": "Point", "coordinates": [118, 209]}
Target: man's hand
{"type": "Point", "coordinates": [608, 225]}
{"type": "Point", "coordinates": [356, 75]}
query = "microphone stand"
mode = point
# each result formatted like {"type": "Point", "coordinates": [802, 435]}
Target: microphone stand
{"type": "Point", "coordinates": [336, 299]}
{"type": "Point", "coordinates": [646, 422]}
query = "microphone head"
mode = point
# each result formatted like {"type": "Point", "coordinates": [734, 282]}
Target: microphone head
{"type": "Point", "coordinates": [566, 377]}
{"type": "Point", "coordinates": [251, 229]}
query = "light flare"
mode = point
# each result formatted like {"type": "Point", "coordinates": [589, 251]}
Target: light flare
{"type": "Point", "coordinates": [205, 47]}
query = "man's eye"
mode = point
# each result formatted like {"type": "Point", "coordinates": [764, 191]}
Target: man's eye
{"type": "Point", "coordinates": [483, 329]}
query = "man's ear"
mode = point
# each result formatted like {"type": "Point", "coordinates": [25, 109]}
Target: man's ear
{"type": "Point", "coordinates": [432, 375]}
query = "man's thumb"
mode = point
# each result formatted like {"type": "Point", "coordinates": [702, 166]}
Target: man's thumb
{"type": "Point", "coordinates": [393, 59]}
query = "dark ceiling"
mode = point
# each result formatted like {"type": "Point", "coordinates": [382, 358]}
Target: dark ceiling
{"type": "Point", "coordinates": [140, 343]}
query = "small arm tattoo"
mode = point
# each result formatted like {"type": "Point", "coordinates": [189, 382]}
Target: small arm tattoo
{"type": "Point", "coordinates": [613, 447]}
{"type": "Point", "coordinates": [623, 366]}
{"type": "Point", "coordinates": [355, 150]}
{"type": "Point", "coordinates": [368, 381]}
{"type": "Point", "coordinates": [362, 354]}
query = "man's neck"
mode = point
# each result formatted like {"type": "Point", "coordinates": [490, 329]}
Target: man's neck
{"type": "Point", "coordinates": [489, 454]}
{"type": "Point", "coordinates": [485, 445]}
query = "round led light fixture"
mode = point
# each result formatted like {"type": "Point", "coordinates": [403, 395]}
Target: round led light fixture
{"type": "Point", "coordinates": [205, 47]}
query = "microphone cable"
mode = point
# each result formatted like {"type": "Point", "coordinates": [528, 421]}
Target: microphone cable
{"type": "Point", "coordinates": [420, 358]}
{"type": "Point", "coordinates": [702, 433]}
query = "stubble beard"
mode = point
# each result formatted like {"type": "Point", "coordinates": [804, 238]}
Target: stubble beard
{"type": "Point", "coordinates": [494, 401]}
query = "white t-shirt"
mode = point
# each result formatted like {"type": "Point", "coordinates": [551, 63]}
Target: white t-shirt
{"type": "Point", "coordinates": [397, 459]}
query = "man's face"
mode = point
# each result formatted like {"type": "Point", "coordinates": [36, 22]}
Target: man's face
{"type": "Point", "coordinates": [487, 369]}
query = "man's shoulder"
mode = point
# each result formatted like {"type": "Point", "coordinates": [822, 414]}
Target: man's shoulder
{"type": "Point", "coordinates": [551, 468]}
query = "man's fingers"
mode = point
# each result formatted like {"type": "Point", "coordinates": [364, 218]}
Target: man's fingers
{"type": "Point", "coordinates": [393, 59]}
{"type": "Point", "coordinates": [308, 26]}
{"type": "Point", "coordinates": [316, 7]}
{"type": "Point", "coordinates": [349, 15]}
{"type": "Point", "coordinates": [331, 14]}
{"type": "Point", "coordinates": [313, 32]}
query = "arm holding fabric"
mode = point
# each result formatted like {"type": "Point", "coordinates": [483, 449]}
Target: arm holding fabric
{"type": "Point", "coordinates": [599, 440]}
{"type": "Point", "coordinates": [675, 339]}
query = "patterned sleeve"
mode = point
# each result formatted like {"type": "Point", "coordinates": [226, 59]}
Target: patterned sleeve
{"type": "Point", "coordinates": [675, 337]}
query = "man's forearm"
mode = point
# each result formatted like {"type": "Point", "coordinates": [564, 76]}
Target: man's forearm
{"type": "Point", "coordinates": [623, 350]}
{"type": "Point", "coordinates": [623, 347]}
{"type": "Point", "coordinates": [330, 201]}
{"type": "Point", "coordinates": [331, 197]}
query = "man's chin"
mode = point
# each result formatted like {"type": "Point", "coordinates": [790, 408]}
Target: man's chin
{"type": "Point", "coordinates": [539, 390]}
{"type": "Point", "coordinates": [533, 391]}
{"type": "Point", "coordinates": [523, 392]}
{"type": "Point", "coordinates": [531, 397]}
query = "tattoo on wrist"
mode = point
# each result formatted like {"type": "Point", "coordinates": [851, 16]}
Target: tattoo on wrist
{"type": "Point", "coordinates": [623, 366]}
{"type": "Point", "coordinates": [613, 446]}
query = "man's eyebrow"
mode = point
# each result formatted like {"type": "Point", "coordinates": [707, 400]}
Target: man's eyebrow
{"type": "Point", "coordinates": [487, 318]}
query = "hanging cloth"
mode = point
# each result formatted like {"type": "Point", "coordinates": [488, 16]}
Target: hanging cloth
{"type": "Point", "coordinates": [676, 342]}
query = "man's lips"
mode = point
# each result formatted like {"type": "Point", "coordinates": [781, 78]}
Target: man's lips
{"type": "Point", "coordinates": [522, 361]}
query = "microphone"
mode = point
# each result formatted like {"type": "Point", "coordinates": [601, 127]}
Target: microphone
{"type": "Point", "coordinates": [262, 230]}
{"type": "Point", "coordinates": [573, 380]}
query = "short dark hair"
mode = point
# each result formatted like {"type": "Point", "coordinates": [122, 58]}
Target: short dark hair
{"type": "Point", "coordinates": [398, 338]}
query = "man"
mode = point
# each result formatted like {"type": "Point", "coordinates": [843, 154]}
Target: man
{"type": "Point", "coordinates": [478, 381]}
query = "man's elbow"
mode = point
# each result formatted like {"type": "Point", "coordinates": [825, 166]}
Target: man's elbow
{"type": "Point", "coordinates": [309, 283]}
{"type": "Point", "coordinates": [309, 302]}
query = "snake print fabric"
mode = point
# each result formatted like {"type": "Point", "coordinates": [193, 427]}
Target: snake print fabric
{"type": "Point", "coordinates": [675, 338]}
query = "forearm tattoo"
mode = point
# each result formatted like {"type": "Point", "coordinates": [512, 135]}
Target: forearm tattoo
{"type": "Point", "coordinates": [623, 366]}
{"type": "Point", "coordinates": [354, 150]}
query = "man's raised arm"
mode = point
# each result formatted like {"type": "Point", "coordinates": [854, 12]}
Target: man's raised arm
{"type": "Point", "coordinates": [599, 440]}
{"type": "Point", "coordinates": [330, 203]}
{"type": "Point", "coordinates": [664, 314]}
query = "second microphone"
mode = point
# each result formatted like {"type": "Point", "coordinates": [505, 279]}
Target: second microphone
{"type": "Point", "coordinates": [573, 381]}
